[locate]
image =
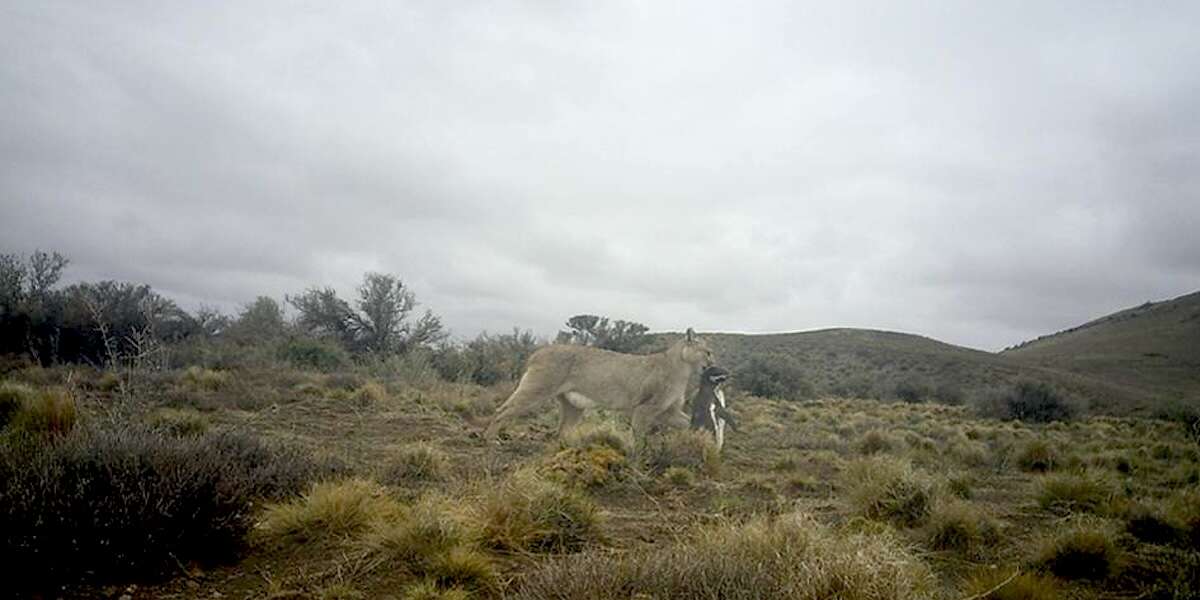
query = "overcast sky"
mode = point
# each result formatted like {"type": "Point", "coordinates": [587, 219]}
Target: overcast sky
{"type": "Point", "coordinates": [978, 172]}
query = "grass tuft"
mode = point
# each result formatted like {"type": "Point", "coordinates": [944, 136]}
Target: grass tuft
{"type": "Point", "coordinates": [1075, 492]}
{"type": "Point", "coordinates": [885, 487]}
{"type": "Point", "coordinates": [693, 450]}
{"type": "Point", "coordinates": [1086, 548]}
{"type": "Point", "coordinates": [1037, 456]}
{"type": "Point", "coordinates": [999, 584]}
{"type": "Point", "coordinates": [962, 527]}
{"type": "Point", "coordinates": [789, 557]}
{"type": "Point", "coordinates": [416, 463]}
{"type": "Point", "coordinates": [334, 509]}
{"type": "Point", "coordinates": [529, 514]}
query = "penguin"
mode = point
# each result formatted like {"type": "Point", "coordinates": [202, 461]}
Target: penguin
{"type": "Point", "coordinates": [708, 407]}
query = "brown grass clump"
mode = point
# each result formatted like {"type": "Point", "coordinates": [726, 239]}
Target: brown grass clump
{"type": "Point", "coordinates": [693, 450]}
{"type": "Point", "coordinates": [199, 378]}
{"type": "Point", "coordinates": [432, 541]}
{"type": "Point", "coordinates": [962, 527]}
{"type": "Point", "coordinates": [369, 394]}
{"type": "Point", "coordinates": [330, 510]}
{"type": "Point", "coordinates": [875, 441]}
{"type": "Point", "coordinates": [416, 463]}
{"type": "Point", "coordinates": [429, 590]}
{"type": "Point", "coordinates": [1086, 548]}
{"type": "Point", "coordinates": [679, 477]}
{"type": "Point", "coordinates": [1075, 492]}
{"type": "Point", "coordinates": [998, 584]}
{"type": "Point", "coordinates": [1037, 456]}
{"type": "Point", "coordinates": [884, 487]}
{"type": "Point", "coordinates": [590, 467]}
{"type": "Point", "coordinates": [1174, 520]}
{"type": "Point", "coordinates": [178, 421]}
{"type": "Point", "coordinates": [13, 397]}
{"type": "Point", "coordinates": [789, 557]}
{"type": "Point", "coordinates": [529, 514]}
{"type": "Point", "coordinates": [48, 412]}
{"type": "Point", "coordinates": [603, 434]}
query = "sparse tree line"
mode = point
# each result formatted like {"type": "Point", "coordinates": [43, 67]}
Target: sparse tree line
{"type": "Point", "coordinates": [112, 324]}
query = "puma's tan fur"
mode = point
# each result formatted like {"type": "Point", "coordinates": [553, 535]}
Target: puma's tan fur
{"type": "Point", "coordinates": [650, 387]}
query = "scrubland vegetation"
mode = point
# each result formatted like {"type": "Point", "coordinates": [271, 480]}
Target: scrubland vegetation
{"type": "Point", "coordinates": [271, 459]}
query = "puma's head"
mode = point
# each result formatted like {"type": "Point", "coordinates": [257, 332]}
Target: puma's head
{"type": "Point", "coordinates": [695, 351]}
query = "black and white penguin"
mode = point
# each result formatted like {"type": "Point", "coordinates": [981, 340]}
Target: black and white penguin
{"type": "Point", "coordinates": [708, 407]}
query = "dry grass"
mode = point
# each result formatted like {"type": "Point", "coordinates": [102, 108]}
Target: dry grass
{"type": "Point", "coordinates": [179, 421]}
{"type": "Point", "coordinates": [1000, 584]}
{"type": "Point", "coordinates": [527, 513]}
{"type": "Point", "coordinates": [199, 378]}
{"type": "Point", "coordinates": [49, 411]}
{"type": "Point", "coordinates": [889, 488]}
{"type": "Point", "coordinates": [790, 557]}
{"type": "Point", "coordinates": [1037, 456]}
{"type": "Point", "coordinates": [1084, 548]}
{"type": "Point", "coordinates": [594, 466]}
{"type": "Point", "coordinates": [693, 450]}
{"type": "Point", "coordinates": [962, 527]}
{"type": "Point", "coordinates": [1075, 492]}
{"type": "Point", "coordinates": [600, 434]}
{"type": "Point", "coordinates": [416, 463]}
{"type": "Point", "coordinates": [330, 511]}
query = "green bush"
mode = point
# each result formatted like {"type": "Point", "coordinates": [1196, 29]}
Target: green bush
{"type": "Point", "coordinates": [774, 376]}
{"type": "Point", "coordinates": [312, 353]}
{"type": "Point", "coordinates": [120, 500]}
{"type": "Point", "coordinates": [689, 449]}
{"type": "Point", "coordinates": [1029, 401]}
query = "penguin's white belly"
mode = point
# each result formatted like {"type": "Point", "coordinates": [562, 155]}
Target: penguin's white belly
{"type": "Point", "coordinates": [718, 422]}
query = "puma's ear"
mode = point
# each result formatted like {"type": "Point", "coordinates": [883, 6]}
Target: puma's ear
{"type": "Point", "coordinates": [691, 334]}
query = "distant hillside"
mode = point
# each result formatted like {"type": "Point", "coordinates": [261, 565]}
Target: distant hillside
{"type": "Point", "coordinates": [1152, 351]}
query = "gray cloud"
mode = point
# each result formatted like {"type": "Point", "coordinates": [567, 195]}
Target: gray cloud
{"type": "Point", "coordinates": [978, 173]}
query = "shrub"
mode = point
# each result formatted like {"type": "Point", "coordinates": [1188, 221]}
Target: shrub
{"type": "Point", "coordinates": [993, 584]}
{"type": "Point", "coordinates": [120, 500]}
{"type": "Point", "coordinates": [1037, 456]}
{"type": "Point", "coordinates": [885, 487]}
{"type": "Point", "coordinates": [329, 510]}
{"type": "Point", "coordinates": [963, 527]}
{"type": "Point", "coordinates": [1029, 401]}
{"type": "Point", "coordinates": [1074, 492]}
{"type": "Point", "coordinates": [912, 392]}
{"type": "Point", "coordinates": [774, 376]}
{"type": "Point", "coordinates": [415, 463]}
{"type": "Point", "coordinates": [1084, 549]}
{"type": "Point", "coordinates": [791, 557]}
{"type": "Point", "coordinates": [690, 449]}
{"type": "Point", "coordinates": [311, 353]}
{"type": "Point", "coordinates": [529, 514]}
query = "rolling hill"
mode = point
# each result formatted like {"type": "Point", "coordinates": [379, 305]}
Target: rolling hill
{"type": "Point", "coordinates": [1152, 350]}
{"type": "Point", "coordinates": [1129, 362]}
